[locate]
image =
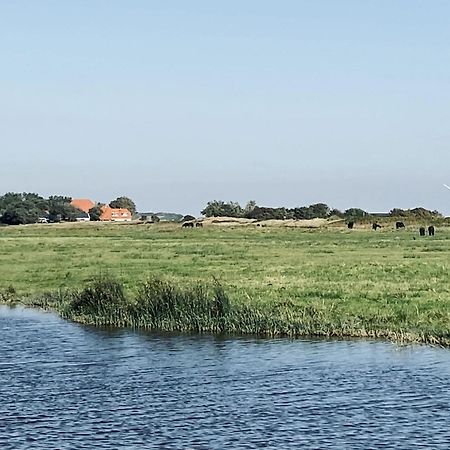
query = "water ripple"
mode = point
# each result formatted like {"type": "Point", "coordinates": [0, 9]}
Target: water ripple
{"type": "Point", "coordinates": [63, 386]}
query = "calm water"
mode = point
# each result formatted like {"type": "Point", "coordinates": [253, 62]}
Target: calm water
{"type": "Point", "coordinates": [63, 386]}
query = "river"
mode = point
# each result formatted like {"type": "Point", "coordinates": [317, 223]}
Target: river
{"type": "Point", "coordinates": [66, 386]}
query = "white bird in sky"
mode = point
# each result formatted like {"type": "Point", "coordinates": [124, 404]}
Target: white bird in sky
{"type": "Point", "coordinates": [448, 187]}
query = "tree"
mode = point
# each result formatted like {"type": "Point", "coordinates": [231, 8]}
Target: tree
{"type": "Point", "coordinates": [95, 212]}
{"type": "Point", "coordinates": [397, 212]}
{"type": "Point", "coordinates": [19, 216]}
{"type": "Point", "coordinates": [124, 202]}
{"type": "Point", "coordinates": [415, 213]}
{"type": "Point", "coordinates": [213, 208]}
{"type": "Point", "coordinates": [250, 206]}
{"type": "Point", "coordinates": [336, 212]}
{"type": "Point", "coordinates": [218, 208]}
{"type": "Point", "coordinates": [319, 210]}
{"type": "Point", "coordinates": [355, 213]}
{"type": "Point", "coordinates": [59, 208]}
{"type": "Point", "coordinates": [301, 213]}
{"type": "Point", "coordinates": [264, 213]}
{"type": "Point", "coordinates": [16, 209]}
{"type": "Point", "coordinates": [423, 213]}
{"type": "Point", "coordinates": [59, 199]}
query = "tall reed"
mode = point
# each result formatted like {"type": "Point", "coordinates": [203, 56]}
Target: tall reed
{"type": "Point", "coordinates": [164, 305]}
{"type": "Point", "coordinates": [102, 301]}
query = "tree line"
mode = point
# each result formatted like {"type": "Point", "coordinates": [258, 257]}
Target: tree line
{"type": "Point", "coordinates": [219, 208]}
{"type": "Point", "coordinates": [25, 208]}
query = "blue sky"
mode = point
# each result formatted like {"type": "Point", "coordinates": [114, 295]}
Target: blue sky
{"type": "Point", "coordinates": [176, 103]}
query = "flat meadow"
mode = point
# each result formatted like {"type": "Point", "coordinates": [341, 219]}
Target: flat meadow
{"type": "Point", "coordinates": [326, 281]}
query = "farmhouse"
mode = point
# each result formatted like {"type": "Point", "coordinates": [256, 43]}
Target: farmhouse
{"type": "Point", "coordinates": [115, 214]}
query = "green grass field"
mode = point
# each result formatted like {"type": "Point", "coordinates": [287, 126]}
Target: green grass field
{"type": "Point", "coordinates": [357, 283]}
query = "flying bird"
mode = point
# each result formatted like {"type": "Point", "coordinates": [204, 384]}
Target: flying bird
{"type": "Point", "coordinates": [448, 187]}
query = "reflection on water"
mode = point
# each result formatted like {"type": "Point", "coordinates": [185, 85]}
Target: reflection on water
{"type": "Point", "coordinates": [64, 386]}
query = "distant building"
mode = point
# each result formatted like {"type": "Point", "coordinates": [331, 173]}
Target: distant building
{"type": "Point", "coordinates": [83, 204]}
{"type": "Point", "coordinates": [148, 217]}
{"type": "Point", "coordinates": [115, 214]}
{"type": "Point", "coordinates": [160, 216]}
{"type": "Point", "coordinates": [83, 217]}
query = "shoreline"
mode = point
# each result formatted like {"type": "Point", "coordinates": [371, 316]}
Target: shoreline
{"type": "Point", "coordinates": [237, 320]}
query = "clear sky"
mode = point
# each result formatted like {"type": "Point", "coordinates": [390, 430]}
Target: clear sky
{"type": "Point", "coordinates": [177, 102]}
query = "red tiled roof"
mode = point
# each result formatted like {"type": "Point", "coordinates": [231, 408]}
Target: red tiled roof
{"type": "Point", "coordinates": [82, 203]}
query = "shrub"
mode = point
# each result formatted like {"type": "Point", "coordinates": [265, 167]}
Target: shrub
{"type": "Point", "coordinates": [103, 296]}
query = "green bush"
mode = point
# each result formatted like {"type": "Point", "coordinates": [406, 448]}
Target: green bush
{"type": "Point", "coordinates": [103, 296]}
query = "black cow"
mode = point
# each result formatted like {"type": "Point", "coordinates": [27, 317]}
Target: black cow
{"type": "Point", "coordinates": [399, 225]}
{"type": "Point", "coordinates": [350, 225]}
{"type": "Point", "coordinates": [431, 230]}
{"type": "Point", "coordinates": [188, 225]}
{"type": "Point", "coordinates": [375, 226]}
{"type": "Point", "coordinates": [422, 231]}
{"type": "Point", "coordinates": [199, 225]}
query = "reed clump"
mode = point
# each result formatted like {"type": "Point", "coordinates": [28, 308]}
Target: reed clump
{"type": "Point", "coordinates": [102, 301]}
{"type": "Point", "coordinates": [8, 295]}
{"type": "Point", "coordinates": [166, 305]}
{"type": "Point", "coordinates": [158, 305]}
{"type": "Point", "coordinates": [162, 305]}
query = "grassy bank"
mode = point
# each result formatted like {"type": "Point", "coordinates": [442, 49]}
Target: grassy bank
{"type": "Point", "coordinates": [277, 281]}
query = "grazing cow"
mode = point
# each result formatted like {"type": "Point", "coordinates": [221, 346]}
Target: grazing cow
{"type": "Point", "coordinates": [399, 225]}
{"type": "Point", "coordinates": [375, 226]}
{"type": "Point", "coordinates": [431, 230]}
{"type": "Point", "coordinates": [422, 231]}
{"type": "Point", "coordinates": [188, 225]}
{"type": "Point", "coordinates": [199, 225]}
{"type": "Point", "coordinates": [350, 225]}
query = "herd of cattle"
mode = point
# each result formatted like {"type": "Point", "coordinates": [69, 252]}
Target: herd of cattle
{"type": "Point", "coordinates": [350, 226]}
{"type": "Point", "coordinates": [398, 226]}
{"type": "Point", "coordinates": [191, 225]}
